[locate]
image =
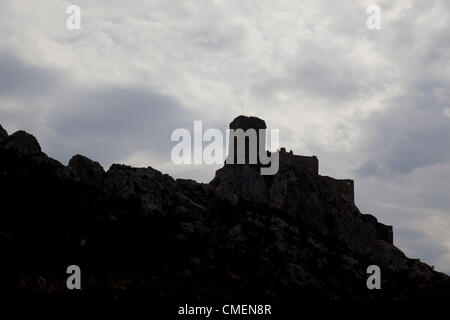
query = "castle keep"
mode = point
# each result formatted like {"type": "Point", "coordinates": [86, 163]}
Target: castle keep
{"type": "Point", "coordinates": [298, 173]}
{"type": "Point", "coordinates": [344, 186]}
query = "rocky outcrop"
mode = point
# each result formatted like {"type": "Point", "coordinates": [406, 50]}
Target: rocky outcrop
{"type": "Point", "coordinates": [140, 234]}
{"type": "Point", "coordinates": [3, 134]}
{"type": "Point", "coordinates": [241, 182]}
{"type": "Point", "coordinates": [23, 143]}
{"type": "Point", "coordinates": [84, 170]}
{"type": "Point", "coordinates": [154, 190]}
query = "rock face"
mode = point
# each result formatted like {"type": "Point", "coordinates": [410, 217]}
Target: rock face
{"type": "Point", "coordinates": [23, 143]}
{"type": "Point", "coordinates": [3, 134]}
{"type": "Point", "coordinates": [139, 234]}
{"type": "Point", "coordinates": [84, 170]}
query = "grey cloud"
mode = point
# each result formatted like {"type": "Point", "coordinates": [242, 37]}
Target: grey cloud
{"type": "Point", "coordinates": [323, 73]}
{"type": "Point", "coordinates": [419, 245]}
{"type": "Point", "coordinates": [406, 137]}
{"type": "Point", "coordinates": [20, 79]}
{"type": "Point", "coordinates": [411, 132]}
{"type": "Point", "coordinates": [110, 123]}
{"type": "Point", "coordinates": [218, 40]}
{"type": "Point", "coordinates": [329, 80]}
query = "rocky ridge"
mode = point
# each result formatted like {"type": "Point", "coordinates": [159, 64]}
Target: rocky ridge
{"type": "Point", "coordinates": [137, 232]}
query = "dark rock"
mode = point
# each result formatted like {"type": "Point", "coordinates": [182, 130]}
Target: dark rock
{"type": "Point", "coordinates": [85, 166]}
{"type": "Point", "coordinates": [240, 182]}
{"type": "Point", "coordinates": [82, 169]}
{"type": "Point", "coordinates": [383, 231]}
{"type": "Point", "coordinates": [23, 143]}
{"type": "Point", "coordinates": [150, 187]}
{"type": "Point", "coordinates": [3, 134]}
{"type": "Point", "coordinates": [138, 233]}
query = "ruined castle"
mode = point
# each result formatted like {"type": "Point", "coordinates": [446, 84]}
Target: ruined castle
{"type": "Point", "coordinates": [345, 186]}
{"type": "Point", "coordinates": [297, 175]}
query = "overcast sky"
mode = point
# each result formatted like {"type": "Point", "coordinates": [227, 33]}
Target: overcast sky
{"type": "Point", "coordinates": [373, 105]}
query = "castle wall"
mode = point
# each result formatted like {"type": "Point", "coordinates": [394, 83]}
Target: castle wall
{"type": "Point", "coordinates": [311, 162]}
{"type": "Point", "coordinates": [385, 233]}
{"type": "Point", "coordinates": [290, 158]}
{"type": "Point", "coordinates": [344, 186]}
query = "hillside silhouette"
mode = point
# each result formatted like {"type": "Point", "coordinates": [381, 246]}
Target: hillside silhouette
{"type": "Point", "coordinates": [137, 233]}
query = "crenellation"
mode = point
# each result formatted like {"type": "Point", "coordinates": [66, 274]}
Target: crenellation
{"type": "Point", "coordinates": [312, 162]}
{"type": "Point", "coordinates": [344, 186]}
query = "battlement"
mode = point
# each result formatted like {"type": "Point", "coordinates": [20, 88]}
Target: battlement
{"type": "Point", "coordinates": [344, 186]}
{"type": "Point", "coordinates": [290, 158]}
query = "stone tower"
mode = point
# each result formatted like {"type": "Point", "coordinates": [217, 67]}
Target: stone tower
{"type": "Point", "coordinates": [245, 123]}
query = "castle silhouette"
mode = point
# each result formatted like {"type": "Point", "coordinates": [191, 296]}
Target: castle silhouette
{"type": "Point", "coordinates": [344, 186]}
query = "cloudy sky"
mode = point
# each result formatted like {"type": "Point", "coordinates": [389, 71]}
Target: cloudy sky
{"type": "Point", "coordinates": [373, 105]}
